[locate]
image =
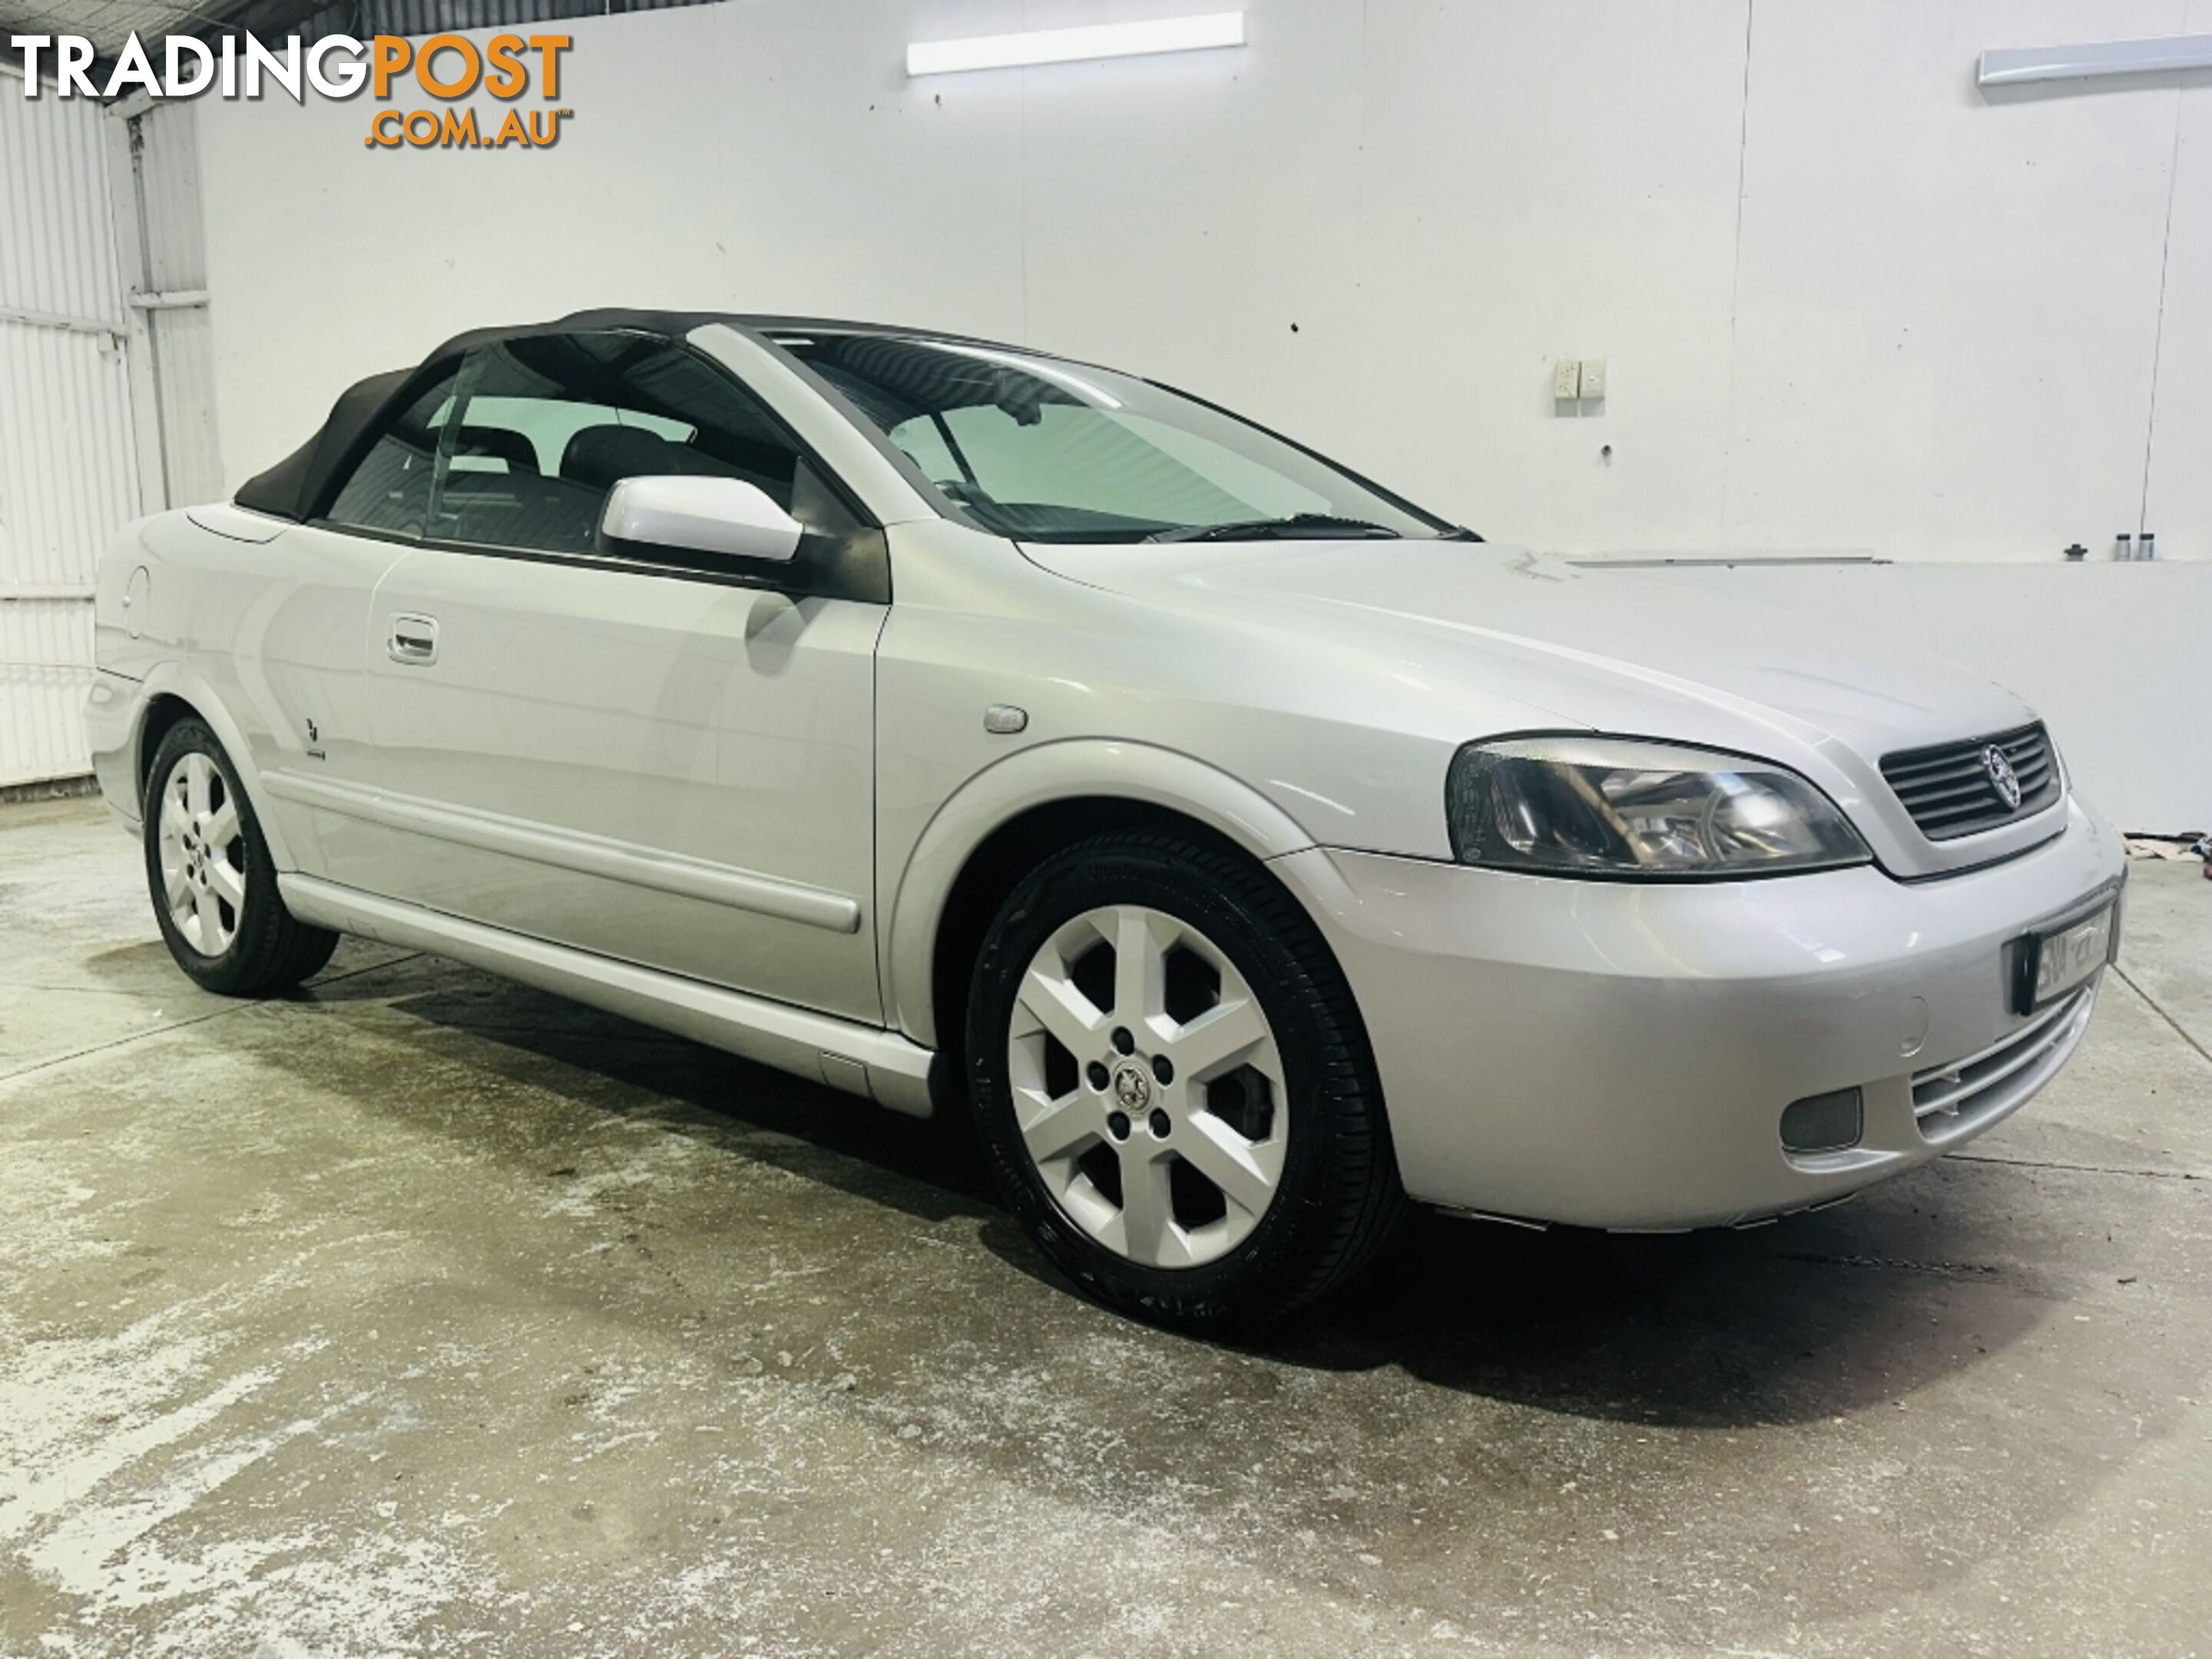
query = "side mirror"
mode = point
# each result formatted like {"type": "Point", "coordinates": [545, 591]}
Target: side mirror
{"type": "Point", "coordinates": [725, 516]}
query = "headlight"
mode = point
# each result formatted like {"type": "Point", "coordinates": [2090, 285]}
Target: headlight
{"type": "Point", "coordinates": [1611, 806]}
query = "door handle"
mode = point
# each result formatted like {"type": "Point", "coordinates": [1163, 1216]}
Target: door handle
{"type": "Point", "coordinates": [413, 640]}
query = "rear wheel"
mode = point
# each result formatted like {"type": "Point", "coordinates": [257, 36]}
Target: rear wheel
{"type": "Point", "coordinates": [1173, 1084]}
{"type": "Point", "coordinates": [213, 883]}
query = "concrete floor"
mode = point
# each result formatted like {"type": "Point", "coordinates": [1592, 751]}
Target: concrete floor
{"type": "Point", "coordinates": [427, 1314]}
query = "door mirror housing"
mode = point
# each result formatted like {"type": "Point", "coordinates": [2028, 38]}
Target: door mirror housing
{"type": "Point", "coordinates": [723, 516]}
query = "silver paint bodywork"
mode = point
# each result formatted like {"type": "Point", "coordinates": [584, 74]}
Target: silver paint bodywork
{"type": "Point", "coordinates": [742, 815]}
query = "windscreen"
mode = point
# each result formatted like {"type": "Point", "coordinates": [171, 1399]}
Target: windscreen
{"type": "Point", "coordinates": [1043, 450]}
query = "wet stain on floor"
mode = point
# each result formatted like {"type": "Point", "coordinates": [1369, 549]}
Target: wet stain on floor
{"type": "Point", "coordinates": [421, 1313]}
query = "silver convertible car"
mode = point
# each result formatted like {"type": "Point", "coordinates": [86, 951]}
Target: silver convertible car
{"type": "Point", "coordinates": [966, 728]}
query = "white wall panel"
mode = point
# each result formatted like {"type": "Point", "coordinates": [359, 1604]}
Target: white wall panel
{"type": "Point", "coordinates": [1243, 279]}
{"type": "Point", "coordinates": [68, 475]}
{"type": "Point", "coordinates": [2177, 506]}
{"type": "Point", "coordinates": [1847, 300]}
{"type": "Point", "coordinates": [825, 182]}
{"type": "Point", "coordinates": [1949, 304]}
{"type": "Point", "coordinates": [1546, 181]}
{"type": "Point", "coordinates": [1847, 303]}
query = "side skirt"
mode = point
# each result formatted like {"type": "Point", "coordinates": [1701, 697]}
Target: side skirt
{"type": "Point", "coordinates": [863, 1060]}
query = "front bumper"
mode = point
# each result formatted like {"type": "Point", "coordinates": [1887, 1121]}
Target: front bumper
{"type": "Point", "coordinates": [1619, 1055]}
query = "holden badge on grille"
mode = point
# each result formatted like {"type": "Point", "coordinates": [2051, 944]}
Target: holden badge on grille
{"type": "Point", "coordinates": [2002, 778]}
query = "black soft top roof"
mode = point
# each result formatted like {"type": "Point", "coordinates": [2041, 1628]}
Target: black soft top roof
{"type": "Point", "coordinates": [300, 487]}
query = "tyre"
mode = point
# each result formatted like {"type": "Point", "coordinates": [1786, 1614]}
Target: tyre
{"type": "Point", "coordinates": [1173, 1086]}
{"type": "Point", "coordinates": [213, 883]}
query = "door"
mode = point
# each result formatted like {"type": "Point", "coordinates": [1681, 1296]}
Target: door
{"type": "Point", "coordinates": [302, 625]}
{"type": "Point", "coordinates": [665, 760]}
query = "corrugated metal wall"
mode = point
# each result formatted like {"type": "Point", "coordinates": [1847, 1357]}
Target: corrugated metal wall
{"type": "Point", "coordinates": [165, 151]}
{"type": "Point", "coordinates": [362, 18]}
{"type": "Point", "coordinates": [69, 475]}
{"type": "Point", "coordinates": [75, 352]}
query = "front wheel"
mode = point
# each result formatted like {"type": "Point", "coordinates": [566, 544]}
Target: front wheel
{"type": "Point", "coordinates": [1173, 1084]}
{"type": "Point", "coordinates": [213, 882]}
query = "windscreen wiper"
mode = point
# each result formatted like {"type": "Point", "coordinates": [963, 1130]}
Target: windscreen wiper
{"type": "Point", "coordinates": [1298, 524]}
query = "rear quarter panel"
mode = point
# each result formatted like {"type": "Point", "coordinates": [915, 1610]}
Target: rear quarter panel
{"type": "Point", "coordinates": [235, 614]}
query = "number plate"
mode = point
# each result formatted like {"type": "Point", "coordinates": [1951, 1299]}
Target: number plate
{"type": "Point", "coordinates": [2057, 961]}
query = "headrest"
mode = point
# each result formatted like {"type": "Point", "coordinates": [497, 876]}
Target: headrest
{"type": "Point", "coordinates": [602, 456]}
{"type": "Point", "coordinates": [503, 442]}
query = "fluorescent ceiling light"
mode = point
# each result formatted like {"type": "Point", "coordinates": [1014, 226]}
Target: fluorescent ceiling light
{"type": "Point", "coordinates": [2019, 66]}
{"type": "Point", "coordinates": [1220, 29]}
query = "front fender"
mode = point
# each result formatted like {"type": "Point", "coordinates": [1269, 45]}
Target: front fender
{"type": "Point", "coordinates": [1066, 770]}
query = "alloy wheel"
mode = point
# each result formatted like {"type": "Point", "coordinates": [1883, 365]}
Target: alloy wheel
{"type": "Point", "coordinates": [202, 854]}
{"type": "Point", "coordinates": [1147, 1086]}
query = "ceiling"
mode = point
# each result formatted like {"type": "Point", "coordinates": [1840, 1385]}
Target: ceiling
{"type": "Point", "coordinates": [109, 23]}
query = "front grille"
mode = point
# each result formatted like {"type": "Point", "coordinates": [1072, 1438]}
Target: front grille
{"type": "Point", "coordinates": [1951, 1100]}
{"type": "Point", "coordinates": [1950, 793]}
